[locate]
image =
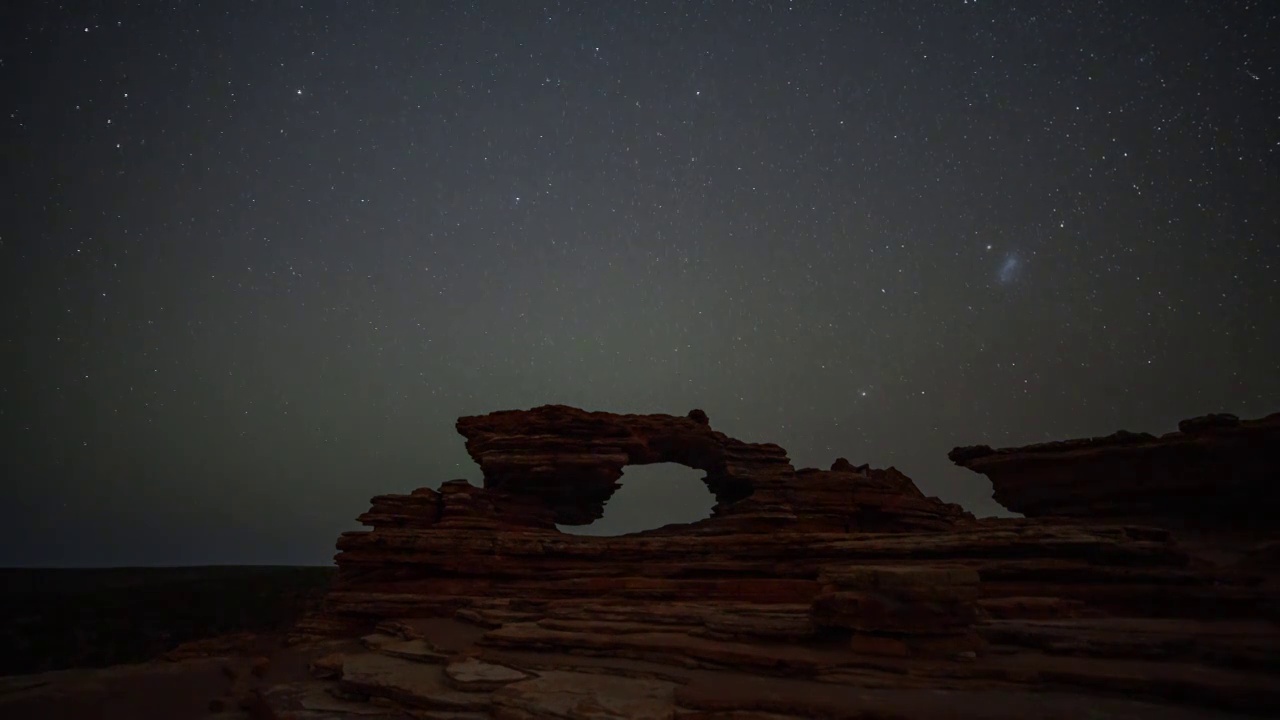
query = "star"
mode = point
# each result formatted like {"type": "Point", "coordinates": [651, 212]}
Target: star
{"type": "Point", "coordinates": [542, 240]}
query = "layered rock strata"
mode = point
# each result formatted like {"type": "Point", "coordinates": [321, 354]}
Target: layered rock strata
{"type": "Point", "coordinates": [1215, 474]}
{"type": "Point", "coordinates": [772, 535]}
{"type": "Point", "coordinates": [571, 461]}
{"type": "Point", "coordinates": [902, 611]}
{"type": "Point", "coordinates": [849, 577]}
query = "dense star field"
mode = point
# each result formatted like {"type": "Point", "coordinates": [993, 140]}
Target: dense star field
{"type": "Point", "coordinates": [257, 258]}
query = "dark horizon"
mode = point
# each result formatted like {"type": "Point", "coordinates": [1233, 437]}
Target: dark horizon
{"type": "Point", "coordinates": [258, 259]}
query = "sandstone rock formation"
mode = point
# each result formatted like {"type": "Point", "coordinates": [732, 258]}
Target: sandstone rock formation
{"type": "Point", "coordinates": [570, 461]}
{"type": "Point", "coordinates": [1215, 474]}
{"type": "Point", "coordinates": [847, 577]}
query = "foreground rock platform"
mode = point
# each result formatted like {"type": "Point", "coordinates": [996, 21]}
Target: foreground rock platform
{"type": "Point", "coordinates": [605, 670]}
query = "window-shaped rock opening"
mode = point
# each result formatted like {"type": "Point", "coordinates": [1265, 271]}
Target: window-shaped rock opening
{"type": "Point", "coordinates": [650, 497]}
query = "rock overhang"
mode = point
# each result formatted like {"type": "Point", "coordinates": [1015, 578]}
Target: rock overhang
{"type": "Point", "coordinates": [1215, 472]}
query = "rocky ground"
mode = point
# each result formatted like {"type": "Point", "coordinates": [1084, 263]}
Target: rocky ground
{"type": "Point", "coordinates": [571, 664]}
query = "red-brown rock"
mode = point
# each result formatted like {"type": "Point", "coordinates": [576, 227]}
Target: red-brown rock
{"type": "Point", "coordinates": [1215, 475]}
{"type": "Point", "coordinates": [770, 540]}
{"type": "Point", "coordinates": [572, 459]}
{"type": "Point", "coordinates": [902, 610]}
{"type": "Point", "coordinates": [792, 565]}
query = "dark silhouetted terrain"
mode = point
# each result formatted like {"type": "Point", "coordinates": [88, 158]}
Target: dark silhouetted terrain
{"type": "Point", "coordinates": [62, 618]}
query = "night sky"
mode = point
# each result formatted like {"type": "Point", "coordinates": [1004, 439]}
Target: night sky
{"type": "Point", "coordinates": [258, 257]}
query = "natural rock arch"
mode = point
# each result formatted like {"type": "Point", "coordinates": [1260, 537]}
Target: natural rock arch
{"type": "Point", "coordinates": [436, 550]}
{"type": "Point", "coordinates": [651, 497]}
{"type": "Point", "coordinates": [572, 459]}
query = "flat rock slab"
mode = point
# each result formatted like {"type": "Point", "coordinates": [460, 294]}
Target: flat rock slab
{"type": "Point", "coordinates": [665, 647]}
{"type": "Point", "coordinates": [415, 649]}
{"type": "Point", "coordinates": [475, 675]}
{"type": "Point", "coordinates": [301, 699]}
{"type": "Point", "coordinates": [486, 618]}
{"type": "Point", "coordinates": [407, 681]}
{"type": "Point", "coordinates": [662, 613]}
{"type": "Point", "coordinates": [1033, 608]}
{"type": "Point", "coordinates": [790, 626]}
{"type": "Point", "coordinates": [725, 620]}
{"type": "Point", "coordinates": [901, 579]}
{"type": "Point", "coordinates": [898, 575]}
{"type": "Point", "coordinates": [585, 696]}
{"type": "Point", "coordinates": [607, 627]}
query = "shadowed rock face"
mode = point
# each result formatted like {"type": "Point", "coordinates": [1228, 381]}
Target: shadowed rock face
{"type": "Point", "coordinates": [1216, 474]}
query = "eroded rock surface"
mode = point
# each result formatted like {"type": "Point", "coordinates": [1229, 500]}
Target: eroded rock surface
{"type": "Point", "coordinates": [1215, 474]}
{"type": "Point", "coordinates": [571, 460]}
{"type": "Point", "coordinates": [475, 675]}
{"type": "Point", "coordinates": [579, 696]}
{"type": "Point", "coordinates": [434, 552]}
